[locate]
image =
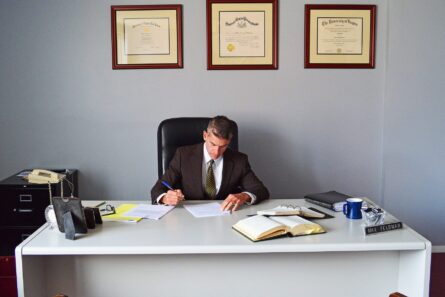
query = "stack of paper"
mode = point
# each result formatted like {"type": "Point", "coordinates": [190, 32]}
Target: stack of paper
{"type": "Point", "coordinates": [148, 211]}
{"type": "Point", "coordinates": [133, 213]}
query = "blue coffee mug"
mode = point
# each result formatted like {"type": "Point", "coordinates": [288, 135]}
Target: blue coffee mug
{"type": "Point", "coordinates": [353, 208]}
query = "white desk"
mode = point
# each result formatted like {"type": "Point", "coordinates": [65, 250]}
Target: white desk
{"type": "Point", "coordinates": [185, 256]}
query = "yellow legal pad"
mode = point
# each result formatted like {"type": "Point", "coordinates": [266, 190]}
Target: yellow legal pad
{"type": "Point", "coordinates": [119, 216]}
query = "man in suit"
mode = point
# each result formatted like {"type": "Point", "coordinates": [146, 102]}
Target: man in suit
{"type": "Point", "coordinates": [210, 170]}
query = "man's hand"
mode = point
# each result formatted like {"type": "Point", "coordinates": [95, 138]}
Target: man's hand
{"type": "Point", "coordinates": [234, 201]}
{"type": "Point", "coordinates": [172, 197]}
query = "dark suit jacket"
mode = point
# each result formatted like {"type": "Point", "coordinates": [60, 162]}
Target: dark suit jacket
{"type": "Point", "coordinates": [185, 173]}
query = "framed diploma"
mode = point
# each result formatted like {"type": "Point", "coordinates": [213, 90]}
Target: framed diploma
{"type": "Point", "coordinates": [339, 36]}
{"type": "Point", "coordinates": [146, 36]}
{"type": "Point", "coordinates": [242, 34]}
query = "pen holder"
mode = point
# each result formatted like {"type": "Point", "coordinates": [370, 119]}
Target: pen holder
{"type": "Point", "coordinates": [374, 216]}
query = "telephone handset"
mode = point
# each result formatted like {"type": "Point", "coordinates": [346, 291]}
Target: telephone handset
{"type": "Point", "coordinates": [42, 176]}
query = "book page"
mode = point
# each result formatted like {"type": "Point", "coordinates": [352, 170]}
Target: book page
{"type": "Point", "coordinates": [298, 225]}
{"type": "Point", "coordinates": [259, 227]}
{"type": "Point", "coordinates": [290, 221]}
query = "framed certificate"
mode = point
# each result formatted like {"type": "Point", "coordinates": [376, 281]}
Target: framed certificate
{"type": "Point", "coordinates": [146, 36]}
{"type": "Point", "coordinates": [242, 34]}
{"type": "Point", "coordinates": [339, 36]}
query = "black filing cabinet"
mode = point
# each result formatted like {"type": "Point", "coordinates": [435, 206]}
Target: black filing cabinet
{"type": "Point", "coordinates": [22, 207]}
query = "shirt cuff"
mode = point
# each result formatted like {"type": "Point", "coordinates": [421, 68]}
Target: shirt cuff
{"type": "Point", "coordinates": [252, 198]}
{"type": "Point", "coordinates": [158, 200]}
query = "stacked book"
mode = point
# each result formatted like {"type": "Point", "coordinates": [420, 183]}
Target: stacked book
{"type": "Point", "coordinates": [332, 200]}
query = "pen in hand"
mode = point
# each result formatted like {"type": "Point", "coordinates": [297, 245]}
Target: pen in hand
{"type": "Point", "coordinates": [171, 188]}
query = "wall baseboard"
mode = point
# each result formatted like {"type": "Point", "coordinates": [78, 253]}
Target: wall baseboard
{"type": "Point", "coordinates": [438, 249]}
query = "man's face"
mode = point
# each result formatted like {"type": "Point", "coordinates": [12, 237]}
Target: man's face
{"type": "Point", "coordinates": [215, 146]}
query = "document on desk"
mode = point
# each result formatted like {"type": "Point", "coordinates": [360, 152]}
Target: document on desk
{"type": "Point", "coordinates": [203, 210]}
{"type": "Point", "coordinates": [148, 211]}
{"type": "Point", "coordinates": [93, 203]}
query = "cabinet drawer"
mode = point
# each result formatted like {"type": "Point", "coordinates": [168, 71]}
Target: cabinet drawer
{"type": "Point", "coordinates": [11, 237]}
{"type": "Point", "coordinates": [23, 206]}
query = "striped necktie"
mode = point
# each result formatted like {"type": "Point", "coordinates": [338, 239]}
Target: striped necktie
{"type": "Point", "coordinates": [210, 187]}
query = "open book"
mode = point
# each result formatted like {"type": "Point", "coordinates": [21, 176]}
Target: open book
{"type": "Point", "coordinates": [259, 227]}
{"type": "Point", "coordinates": [286, 210]}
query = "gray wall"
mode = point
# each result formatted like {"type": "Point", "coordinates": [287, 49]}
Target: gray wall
{"type": "Point", "coordinates": [305, 130]}
{"type": "Point", "coordinates": [414, 125]}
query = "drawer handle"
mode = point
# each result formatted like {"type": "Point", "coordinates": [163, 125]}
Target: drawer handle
{"type": "Point", "coordinates": [24, 236]}
{"type": "Point", "coordinates": [25, 198]}
{"type": "Point", "coordinates": [25, 210]}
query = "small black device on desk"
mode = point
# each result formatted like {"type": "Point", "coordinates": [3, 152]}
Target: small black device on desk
{"type": "Point", "coordinates": [22, 206]}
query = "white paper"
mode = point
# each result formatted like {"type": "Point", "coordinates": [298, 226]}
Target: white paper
{"type": "Point", "coordinates": [212, 209]}
{"type": "Point", "coordinates": [339, 36]}
{"type": "Point", "coordinates": [242, 34]}
{"type": "Point", "coordinates": [147, 211]}
{"type": "Point", "coordinates": [148, 36]}
{"type": "Point", "coordinates": [291, 210]}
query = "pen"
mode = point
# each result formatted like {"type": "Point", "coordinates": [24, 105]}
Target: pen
{"type": "Point", "coordinates": [100, 204]}
{"type": "Point", "coordinates": [167, 185]}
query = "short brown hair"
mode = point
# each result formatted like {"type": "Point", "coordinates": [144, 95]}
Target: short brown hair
{"type": "Point", "coordinates": [221, 126]}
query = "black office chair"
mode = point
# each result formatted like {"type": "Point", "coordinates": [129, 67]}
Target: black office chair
{"type": "Point", "coordinates": [176, 132]}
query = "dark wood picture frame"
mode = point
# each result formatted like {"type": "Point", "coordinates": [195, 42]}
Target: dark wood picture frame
{"type": "Point", "coordinates": [364, 59]}
{"type": "Point", "coordinates": [270, 47]}
{"type": "Point", "coordinates": [172, 59]}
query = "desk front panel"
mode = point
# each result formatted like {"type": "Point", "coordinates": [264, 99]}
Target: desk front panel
{"type": "Point", "coordinates": [272, 274]}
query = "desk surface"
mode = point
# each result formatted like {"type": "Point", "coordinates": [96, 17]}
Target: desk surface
{"type": "Point", "coordinates": [180, 233]}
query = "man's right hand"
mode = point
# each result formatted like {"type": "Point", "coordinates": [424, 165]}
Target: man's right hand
{"type": "Point", "coordinates": [172, 197]}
